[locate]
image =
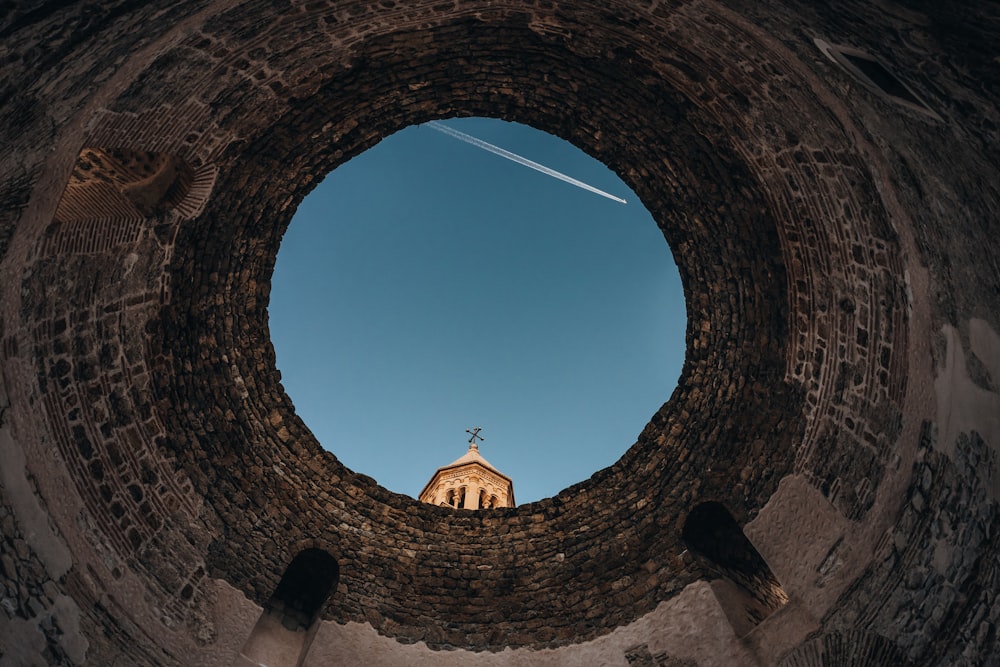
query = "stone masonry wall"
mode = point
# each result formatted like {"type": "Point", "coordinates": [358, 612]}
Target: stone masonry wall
{"type": "Point", "coordinates": [825, 239]}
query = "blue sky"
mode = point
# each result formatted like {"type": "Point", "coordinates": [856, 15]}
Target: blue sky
{"type": "Point", "coordinates": [428, 286]}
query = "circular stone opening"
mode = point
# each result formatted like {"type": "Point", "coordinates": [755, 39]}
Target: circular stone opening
{"type": "Point", "coordinates": [429, 285]}
{"type": "Point", "coordinates": [728, 434]}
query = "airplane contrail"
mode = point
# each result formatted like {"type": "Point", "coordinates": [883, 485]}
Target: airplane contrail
{"type": "Point", "coordinates": [496, 150]}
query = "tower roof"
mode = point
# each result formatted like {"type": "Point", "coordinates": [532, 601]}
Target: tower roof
{"type": "Point", "coordinates": [471, 466]}
{"type": "Point", "coordinates": [473, 456]}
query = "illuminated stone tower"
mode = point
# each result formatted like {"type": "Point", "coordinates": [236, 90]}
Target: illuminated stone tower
{"type": "Point", "coordinates": [469, 482]}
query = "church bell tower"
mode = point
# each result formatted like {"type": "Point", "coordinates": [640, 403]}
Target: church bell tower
{"type": "Point", "coordinates": [469, 482]}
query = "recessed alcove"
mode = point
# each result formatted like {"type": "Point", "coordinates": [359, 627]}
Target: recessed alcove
{"type": "Point", "coordinates": [744, 584]}
{"type": "Point", "coordinates": [428, 285]}
{"type": "Point", "coordinates": [287, 626]}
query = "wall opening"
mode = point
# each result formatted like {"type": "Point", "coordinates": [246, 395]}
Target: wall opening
{"type": "Point", "coordinates": [746, 588]}
{"type": "Point", "coordinates": [146, 183]}
{"type": "Point", "coordinates": [112, 191]}
{"type": "Point", "coordinates": [427, 285]}
{"type": "Point", "coordinates": [875, 76]}
{"type": "Point", "coordinates": [286, 627]}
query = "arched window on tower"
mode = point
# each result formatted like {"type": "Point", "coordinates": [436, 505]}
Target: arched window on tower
{"type": "Point", "coordinates": [286, 628]}
{"type": "Point", "coordinates": [746, 588]}
{"type": "Point", "coordinates": [484, 499]}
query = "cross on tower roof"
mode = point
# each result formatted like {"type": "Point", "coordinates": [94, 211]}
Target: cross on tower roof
{"type": "Point", "coordinates": [474, 431]}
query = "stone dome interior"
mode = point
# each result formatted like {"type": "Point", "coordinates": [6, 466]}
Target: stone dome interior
{"type": "Point", "coordinates": [820, 486]}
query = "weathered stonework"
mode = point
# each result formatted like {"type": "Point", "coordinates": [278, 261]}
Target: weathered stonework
{"type": "Point", "coordinates": [838, 257]}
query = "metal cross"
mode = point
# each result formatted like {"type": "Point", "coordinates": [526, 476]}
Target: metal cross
{"type": "Point", "coordinates": [475, 435]}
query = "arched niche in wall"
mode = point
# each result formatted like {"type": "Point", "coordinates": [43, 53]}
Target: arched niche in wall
{"type": "Point", "coordinates": [111, 191]}
{"type": "Point", "coordinates": [283, 633]}
{"type": "Point", "coordinates": [743, 583]}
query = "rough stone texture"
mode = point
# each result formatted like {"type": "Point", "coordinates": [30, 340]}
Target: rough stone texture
{"type": "Point", "coordinates": [29, 601]}
{"type": "Point", "coordinates": [857, 648]}
{"type": "Point", "coordinates": [937, 573]}
{"type": "Point", "coordinates": [843, 297]}
{"type": "Point", "coordinates": [639, 656]}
